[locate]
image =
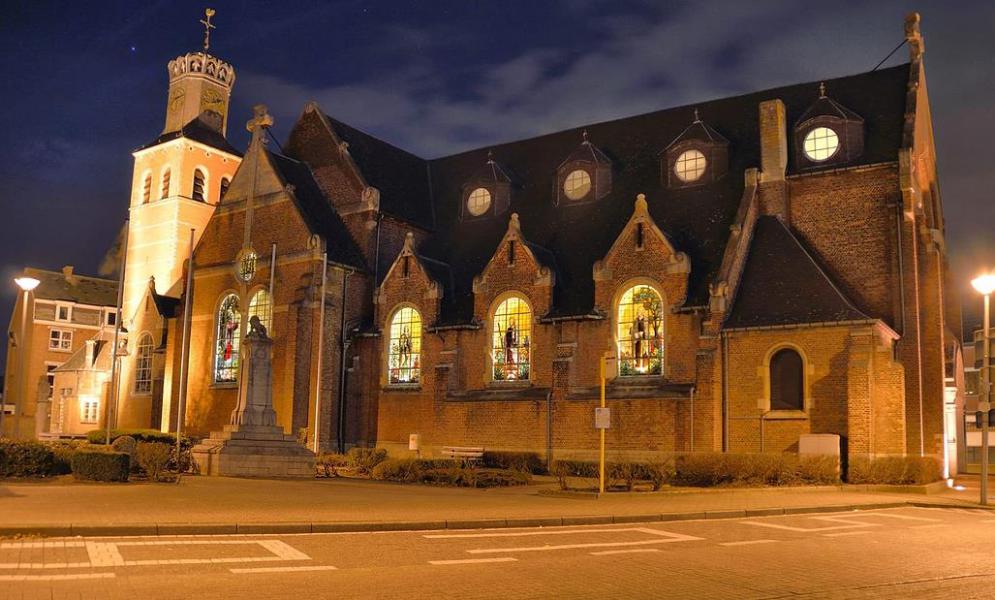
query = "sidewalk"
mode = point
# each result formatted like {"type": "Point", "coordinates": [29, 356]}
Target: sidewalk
{"type": "Point", "coordinates": [216, 505]}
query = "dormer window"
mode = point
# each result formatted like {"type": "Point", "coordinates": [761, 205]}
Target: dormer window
{"type": "Point", "coordinates": [697, 156]}
{"type": "Point", "coordinates": [585, 175]}
{"type": "Point", "coordinates": [478, 201]}
{"type": "Point", "coordinates": [690, 165]}
{"type": "Point", "coordinates": [827, 133]}
{"type": "Point", "coordinates": [821, 144]}
{"type": "Point", "coordinates": [577, 185]}
{"type": "Point", "coordinates": [487, 192]}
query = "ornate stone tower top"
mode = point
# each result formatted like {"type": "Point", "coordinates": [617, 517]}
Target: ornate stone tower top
{"type": "Point", "coordinates": [198, 83]}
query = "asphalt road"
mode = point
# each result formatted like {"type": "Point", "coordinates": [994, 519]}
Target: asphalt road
{"type": "Point", "coordinates": [895, 553]}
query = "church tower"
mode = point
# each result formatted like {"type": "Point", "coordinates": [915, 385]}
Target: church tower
{"type": "Point", "coordinates": [180, 176]}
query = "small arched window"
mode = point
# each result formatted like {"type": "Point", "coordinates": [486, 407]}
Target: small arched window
{"type": "Point", "coordinates": [639, 331]}
{"type": "Point", "coordinates": [225, 182]}
{"type": "Point", "coordinates": [404, 347]}
{"type": "Point", "coordinates": [165, 185]}
{"type": "Point", "coordinates": [786, 381]}
{"type": "Point", "coordinates": [227, 340]}
{"type": "Point", "coordinates": [511, 340]}
{"type": "Point", "coordinates": [147, 189]}
{"type": "Point", "coordinates": [143, 365]}
{"type": "Point", "coordinates": [198, 185]}
{"type": "Point", "coordinates": [261, 305]}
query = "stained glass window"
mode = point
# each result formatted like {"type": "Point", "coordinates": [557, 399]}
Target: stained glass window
{"type": "Point", "coordinates": [511, 346]}
{"type": "Point", "coordinates": [246, 266]}
{"type": "Point", "coordinates": [143, 365]}
{"type": "Point", "coordinates": [261, 305]}
{"type": "Point", "coordinates": [198, 185]}
{"type": "Point", "coordinates": [640, 332]}
{"type": "Point", "coordinates": [404, 350]}
{"type": "Point", "coordinates": [227, 341]}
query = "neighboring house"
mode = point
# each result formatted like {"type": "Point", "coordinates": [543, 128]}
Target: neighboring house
{"type": "Point", "coordinates": [64, 311]}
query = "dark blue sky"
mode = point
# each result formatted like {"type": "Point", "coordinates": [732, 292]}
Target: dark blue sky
{"type": "Point", "coordinates": [85, 83]}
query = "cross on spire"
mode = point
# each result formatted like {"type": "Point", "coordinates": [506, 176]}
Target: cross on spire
{"type": "Point", "coordinates": [822, 89]}
{"type": "Point", "coordinates": [696, 119]}
{"type": "Point", "coordinates": [259, 123]}
{"type": "Point", "coordinates": [210, 12]}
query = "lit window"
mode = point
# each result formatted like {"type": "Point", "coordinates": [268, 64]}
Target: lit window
{"type": "Point", "coordinates": [511, 334]}
{"type": "Point", "coordinates": [143, 365]}
{"type": "Point", "coordinates": [88, 409]}
{"type": "Point", "coordinates": [147, 189]}
{"type": "Point", "coordinates": [786, 381]}
{"type": "Point", "coordinates": [404, 350]}
{"type": "Point", "coordinates": [478, 202]}
{"type": "Point", "coordinates": [261, 305]}
{"type": "Point", "coordinates": [246, 267]}
{"type": "Point", "coordinates": [639, 332]}
{"type": "Point", "coordinates": [577, 184]}
{"type": "Point", "coordinates": [165, 184]}
{"type": "Point", "coordinates": [227, 340]}
{"type": "Point", "coordinates": [690, 165]}
{"type": "Point", "coordinates": [198, 185]}
{"type": "Point", "coordinates": [821, 144]}
{"type": "Point", "coordinates": [60, 339]}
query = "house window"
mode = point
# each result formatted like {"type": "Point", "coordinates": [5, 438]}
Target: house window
{"type": "Point", "coordinates": [690, 165]}
{"type": "Point", "coordinates": [143, 365]}
{"type": "Point", "coordinates": [577, 184]}
{"type": "Point", "coordinates": [147, 189]}
{"type": "Point", "coordinates": [50, 378]}
{"type": "Point", "coordinates": [404, 349]}
{"type": "Point", "coordinates": [225, 182]}
{"type": "Point", "coordinates": [478, 201]}
{"type": "Point", "coordinates": [786, 381]}
{"type": "Point", "coordinates": [261, 305]}
{"type": "Point", "coordinates": [198, 185]}
{"type": "Point", "coordinates": [88, 409]}
{"type": "Point", "coordinates": [165, 184]}
{"type": "Point", "coordinates": [60, 339]}
{"type": "Point", "coordinates": [511, 340]}
{"type": "Point", "coordinates": [63, 313]}
{"type": "Point", "coordinates": [821, 144]}
{"type": "Point", "coordinates": [111, 318]}
{"type": "Point", "coordinates": [227, 340]}
{"type": "Point", "coordinates": [639, 332]}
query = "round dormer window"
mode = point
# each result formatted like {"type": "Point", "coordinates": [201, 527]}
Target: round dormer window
{"type": "Point", "coordinates": [821, 144]}
{"type": "Point", "coordinates": [690, 165]}
{"type": "Point", "coordinates": [478, 201]}
{"type": "Point", "coordinates": [577, 184]}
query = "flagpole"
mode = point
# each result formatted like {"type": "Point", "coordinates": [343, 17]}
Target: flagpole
{"type": "Point", "coordinates": [112, 393]}
{"type": "Point", "coordinates": [184, 353]}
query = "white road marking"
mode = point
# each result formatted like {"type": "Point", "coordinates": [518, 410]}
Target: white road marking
{"type": "Point", "coordinates": [667, 536]}
{"type": "Point", "coordinates": [633, 551]}
{"type": "Point", "coordinates": [282, 550]}
{"type": "Point", "coordinates": [843, 533]}
{"type": "Point", "coordinates": [104, 554]}
{"type": "Point", "coordinates": [849, 522]}
{"type": "Point", "coordinates": [646, 530]}
{"type": "Point", "coordinates": [472, 561]}
{"type": "Point", "coordinates": [44, 544]}
{"type": "Point", "coordinates": [62, 565]}
{"type": "Point", "coordinates": [285, 569]}
{"type": "Point", "coordinates": [748, 542]}
{"type": "Point", "coordinates": [56, 577]}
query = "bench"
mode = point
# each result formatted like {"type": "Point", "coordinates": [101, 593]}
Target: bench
{"type": "Point", "coordinates": [463, 453]}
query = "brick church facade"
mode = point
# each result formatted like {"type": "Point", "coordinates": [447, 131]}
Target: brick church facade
{"type": "Point", "coordinates": [753, 269]}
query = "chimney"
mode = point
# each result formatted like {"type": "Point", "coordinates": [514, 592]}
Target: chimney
{"type": "Point", "coordinates": [91, 346]}
{"type": "Point", "coordinates": [773, 140]}
{"type": "Point", "coordinates": [67, 272]}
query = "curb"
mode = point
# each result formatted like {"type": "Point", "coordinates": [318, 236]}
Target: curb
{"type": "Point", "coordinates": [163, 529]}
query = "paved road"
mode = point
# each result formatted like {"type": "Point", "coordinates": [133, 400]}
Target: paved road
{"type": "Point", "coordinates": [895, 553]}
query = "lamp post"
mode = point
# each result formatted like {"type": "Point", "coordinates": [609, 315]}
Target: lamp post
{"type": "Point", "coordinates": [26, 284]}
{"type": "Point", "coordinates": [985, 285]}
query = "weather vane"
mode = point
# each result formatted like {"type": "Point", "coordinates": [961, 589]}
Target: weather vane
{"type": "Point", "coordinates": [208, 27]}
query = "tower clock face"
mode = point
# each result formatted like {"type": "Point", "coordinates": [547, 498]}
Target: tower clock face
{"type": "Point", "coordinates": [212, 100]}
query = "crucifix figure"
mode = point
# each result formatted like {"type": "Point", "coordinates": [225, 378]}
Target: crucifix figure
{"type": "Point", "coordinates": [260, 121]}
{"type": "Point", "coordinates": [207, 28]}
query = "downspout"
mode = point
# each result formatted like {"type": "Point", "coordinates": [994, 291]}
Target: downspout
{"type": "Point", "coordinates": [691, 418]}
{"type": "Point", "coordinates": [343, 346]}
{"type": "Point", "coordinates": [321, 341]}
{"type": "Point", "coordinates": [376, 259]}
{"type": "Point", "coordinates": [549, 429]}
{"type": "Point", "coordinates": [725, 393]}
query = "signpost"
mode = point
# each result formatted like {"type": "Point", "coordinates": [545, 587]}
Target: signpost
{"type": "Point", "coordinates": [602, 421]}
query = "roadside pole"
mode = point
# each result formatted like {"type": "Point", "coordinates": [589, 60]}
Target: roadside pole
{"type": "Point", "coordinates": [601, 431]}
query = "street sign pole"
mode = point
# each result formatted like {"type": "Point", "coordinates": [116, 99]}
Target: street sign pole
{"type": "Point", "coordinates": [601, 432]}
{"type": "Point", "coordinates": [985, 406]}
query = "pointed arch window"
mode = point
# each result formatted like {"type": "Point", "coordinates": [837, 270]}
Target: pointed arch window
{"type": "Point", "coordinates": [147, 189]}
{"type": "Point", "coordinates": [225, 182]}
{"type": "Point", "coordinates": [786, 380]}
{"type": "Point", "coordinates": [143, 365]}
{"type": "Point", "coordinates": [198, 185]}
{"type": "Point", "coordinates": [261, 305]}
{"type": "Point", "coordinates": [227, 340]}
{"type": "Point", "coordinates": [165, 184]}
{"type": "Point", "coordinates": [511, 340]}
{"type": "Point", "coordinates": [639, 331]}
{"type": "Point", "coordinates": [404, 347]}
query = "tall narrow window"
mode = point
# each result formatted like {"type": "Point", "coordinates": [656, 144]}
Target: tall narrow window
{"type": "Point", "coordinates": [786, 383]}
{"type": "Point", "coordinates": [198, 185]}
{"type": "Point", "coordinates": [261, 305]}
{"type": "Point", "coordinates": [511, 340]}
{"type": "Point", "coordinates": [147, 189]}
{"type": "Point", "coordinates": [143, 365]}
{"type": "Point", "coordinates": [225, 182]}
{"type": "Point", "coordinates": [639, 332]}
{"type": "Point", "coordinates": [165, 184]}
{"type": "Point", "coordinates": [227, 340]}
{"type": "Point", "coordinates": [404, 349]}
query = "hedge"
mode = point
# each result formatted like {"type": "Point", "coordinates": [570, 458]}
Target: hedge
{"type": "Point", "coordinates": [365, 459]}
{"type": "Point", "coordinates": [894, 470]}
{"type": "Point", "coordinates": [447, 472]}
{"type": "Point", "coordinates": [99, 436]}
{"type": "Point", "coordinates": [101, 465]}
{"type": "Point", "coordinates": [28, 459]}
{"type": "Point", "coordinates": [526, 462]}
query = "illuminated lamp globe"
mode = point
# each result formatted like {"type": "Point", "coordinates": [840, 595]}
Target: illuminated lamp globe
{"type": "Point", "coordinates": [985, 284]}
{"type": "Point", "coordinates": [27, 283]}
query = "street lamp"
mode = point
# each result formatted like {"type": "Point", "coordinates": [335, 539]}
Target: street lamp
{"type": "Point", "coordinates": [985, 285]}
{"type": "Point", "coordinates": [26, 284]}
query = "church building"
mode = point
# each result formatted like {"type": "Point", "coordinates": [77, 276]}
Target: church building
{"type": "Point", "coordinates": [752, 270]}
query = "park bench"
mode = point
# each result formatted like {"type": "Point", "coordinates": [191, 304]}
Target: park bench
{"type": "Point", "coordinates": [463, 454]}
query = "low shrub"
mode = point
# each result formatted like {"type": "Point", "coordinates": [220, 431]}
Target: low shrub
{"type": "Point", "coordinates": [818, 469]}
{"type": "Point", "coordinates": [893, 470]}
{"type": "Point", "coordinates": [405, 470]}
{"type": "Point", "coordinates": [98, 436]}
{"type": "Point", "coordinates": [488, 478]}
{"type": "Point", "coordinates": [63, 452]}
{"type": "Point", "coordinates": [526, 462]}
{"type": "Point", "coordinates": [97, 465]}
{"type": "Point", "coordinates": [445, 472]}
{"type": "Point", "coordinates": [27, 459]}
{"type": "Point", "coordinates": [152, 457]}
{"type": "Point", "coordinates": [326, 462]}
{"type": "Point", "coordinates": [365, 459]}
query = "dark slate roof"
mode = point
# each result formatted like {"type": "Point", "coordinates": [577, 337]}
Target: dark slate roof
{"type": "Point", "coordinates": [318, 213]}
{"type": "Point", "coordinates": [75, 288]}
{"type": "Point", "coordinates": [783, 285]}
{"type": "Point", "coordinates": [401, 177]}
{"type": "Point", "coordinates": [828, 107]}
{"type": "Point", "coordinates": [197, 130]}
{"type": "Point", "coordinates": [101, 356]}
{"type": "Point", "coordinates": [699, 130]}
{"type": "Point", "coordinates": [165, 305]}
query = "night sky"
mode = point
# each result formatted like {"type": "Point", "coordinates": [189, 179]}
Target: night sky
{"type": "Point", "coordinates": [85, 84]}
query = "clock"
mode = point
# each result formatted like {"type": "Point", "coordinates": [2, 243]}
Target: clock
{"type": "Point", "coordinates": [213, 101]}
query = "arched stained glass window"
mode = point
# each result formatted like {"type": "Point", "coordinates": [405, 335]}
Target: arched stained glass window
{"type": "Point", "coordinates": [404, 349]}
{"type": "Point", "coordinates": [227, 340]}
{"type": "Point", "coordinates": [639, 333]}
{"type": "Point", "coordinates": [165, 184]}
{"type": "Point", "coordinates": [198, 185]}
{"type": "Point", "coordinates": [143, 365]}
{"type": "Point", "coordinates": [511, 335]}
{"type": "Point", "coordinates": [261, 305]}
{"type": "Point", "coordinates": [786, 381]}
